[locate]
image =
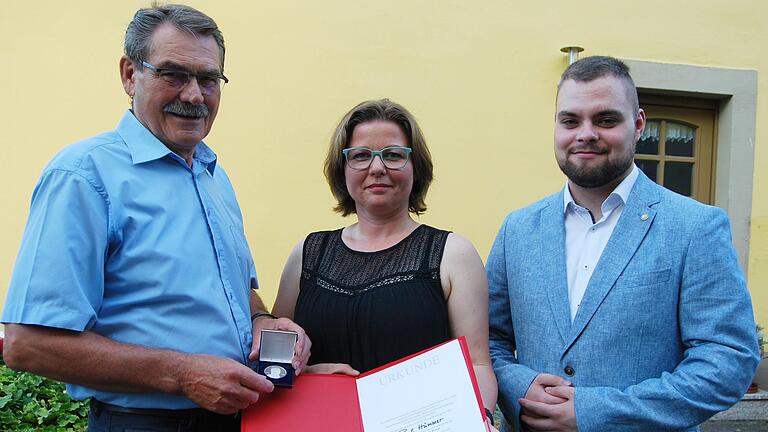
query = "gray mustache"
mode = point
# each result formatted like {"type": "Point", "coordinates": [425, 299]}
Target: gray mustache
{"type": "Point", "coordinates": [186, 109]}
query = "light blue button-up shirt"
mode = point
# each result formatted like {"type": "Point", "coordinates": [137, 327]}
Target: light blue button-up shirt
{"type": "Point", "coordinates": [125, 240]}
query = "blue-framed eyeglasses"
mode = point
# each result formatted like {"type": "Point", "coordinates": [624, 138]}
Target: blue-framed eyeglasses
{"type": "Point", "coordinates": [178, 79]}
{"type": "Point", "coordinates": [360, 158]}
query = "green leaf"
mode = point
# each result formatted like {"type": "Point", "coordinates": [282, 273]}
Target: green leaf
{"type": "Point", "coordinates": [32, 403]}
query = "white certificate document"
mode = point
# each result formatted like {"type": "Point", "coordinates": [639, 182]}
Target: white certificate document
{"type": "Point", "coordinates": [431, 392]}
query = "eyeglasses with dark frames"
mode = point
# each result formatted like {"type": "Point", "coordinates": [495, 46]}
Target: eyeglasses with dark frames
{"type": "Point", "coordinates": [360, 158]}
{"type": "Point", "coordinates": [178, 79]}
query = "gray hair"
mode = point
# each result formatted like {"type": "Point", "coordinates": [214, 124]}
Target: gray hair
{"type": "Point", "coordinates": [138, 35]}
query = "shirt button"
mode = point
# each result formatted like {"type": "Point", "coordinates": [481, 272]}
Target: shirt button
{"type": "Point", "coordinates": [586, 267]}
{"type": "Point", "coordinates": [569, 370]}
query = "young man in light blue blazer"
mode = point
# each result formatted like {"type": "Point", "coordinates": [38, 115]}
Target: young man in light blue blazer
{"type": "Point", "coordinates": [615, 304]}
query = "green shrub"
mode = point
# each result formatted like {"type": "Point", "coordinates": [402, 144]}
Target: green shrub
{"type": "Point", "coordinates": [30, 402]}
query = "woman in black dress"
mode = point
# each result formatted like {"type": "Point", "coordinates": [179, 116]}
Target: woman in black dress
{"type": "Point", "coordinates": [386, 286]}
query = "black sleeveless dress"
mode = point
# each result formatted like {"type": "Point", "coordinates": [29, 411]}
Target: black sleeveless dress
{"type": "Point", "coordinates": [369, 308]}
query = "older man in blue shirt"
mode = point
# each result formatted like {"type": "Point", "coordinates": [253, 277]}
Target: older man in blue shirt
{"type": "Point", "coordinates": [134, 282]}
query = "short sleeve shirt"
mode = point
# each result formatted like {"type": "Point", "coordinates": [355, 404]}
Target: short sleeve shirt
{"type": "Point", "coordinates": [126, 240]}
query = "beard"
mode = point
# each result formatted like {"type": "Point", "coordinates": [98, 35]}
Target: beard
{"type": "Point", "coordinates": [596, 176]}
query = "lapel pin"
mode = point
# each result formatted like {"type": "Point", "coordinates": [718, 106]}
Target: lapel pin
{"type": "Point", "coordinates": [644, 217]}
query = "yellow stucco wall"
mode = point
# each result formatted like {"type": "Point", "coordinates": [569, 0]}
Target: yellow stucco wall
{"type": "Point", "coordinates": [479, 76]}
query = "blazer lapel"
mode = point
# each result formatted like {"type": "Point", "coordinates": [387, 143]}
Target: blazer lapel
{"type": "Point", "coordinates": [631, 228]}
{"type": "Point", "coordinates": [553, 270]}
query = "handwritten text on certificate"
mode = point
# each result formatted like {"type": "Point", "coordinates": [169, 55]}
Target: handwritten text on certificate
{"type": "Point", "coordinates": [431, 392]}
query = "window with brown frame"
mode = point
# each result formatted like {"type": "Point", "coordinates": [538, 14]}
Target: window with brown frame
{"type": "Point", "coordinates": [677, 149]}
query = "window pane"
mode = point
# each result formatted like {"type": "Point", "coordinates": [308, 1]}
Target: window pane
{"type": "Point", "coordinates": [679, 139]}
{"type": "Point", "coordinates": [648, 167]}
{"type": "Point", "coordinates": [678, 176]}
{"type": "Point", "coordinates": [649, 140]}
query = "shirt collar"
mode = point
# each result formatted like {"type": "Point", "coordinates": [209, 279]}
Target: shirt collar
{"type": "Point", "coordinates": [620, 194]}
{"type": "Point", "coordinates": [145, 147]}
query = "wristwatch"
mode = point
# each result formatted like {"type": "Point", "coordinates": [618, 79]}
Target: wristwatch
{"type": "Point", "coordinates": [261, 314]}
{"type": "Point", "coordinates": [488, 414]}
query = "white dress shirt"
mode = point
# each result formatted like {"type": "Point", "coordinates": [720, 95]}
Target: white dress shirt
{"type": "Point", "coordinates": [585, 239]}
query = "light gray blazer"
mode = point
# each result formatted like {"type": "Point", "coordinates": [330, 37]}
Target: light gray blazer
{"type": "Point", "coordinates": [665, 334]}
